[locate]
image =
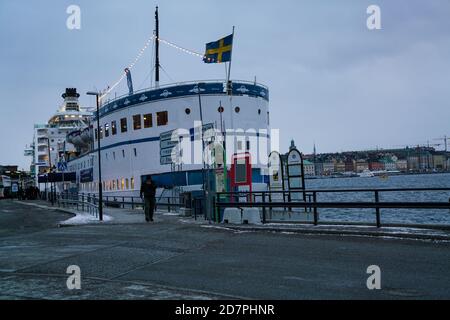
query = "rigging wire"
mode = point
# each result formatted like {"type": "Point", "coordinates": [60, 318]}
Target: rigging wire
{"type": "Point", "coordinates": [139, 56]}
{"type": "Point", "coordinates": [170, 78]}
{"type": "Point", "coordinates": [146, 78]}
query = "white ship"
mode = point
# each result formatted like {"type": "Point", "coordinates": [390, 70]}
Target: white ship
{"type": "Point", "coordinates": [163, 132]}
{"type": "Point", "coordinates": [50, 139]}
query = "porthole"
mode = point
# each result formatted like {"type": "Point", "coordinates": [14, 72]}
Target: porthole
{"type": "Point", "coordinates": [188, 111]}
{"type": "Point", "coordinates": [237, 109]}
{"type": "Point", "coordinates": [259, 111]}
{"type": "Point", "coordinates": [220, 109]}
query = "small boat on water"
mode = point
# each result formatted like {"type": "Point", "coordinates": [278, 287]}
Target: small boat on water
{"type": "Point", "coordinates": [366, 174]}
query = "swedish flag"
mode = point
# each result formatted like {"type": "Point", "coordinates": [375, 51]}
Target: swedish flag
{"type": "Point", "coordinates": [219, 51]}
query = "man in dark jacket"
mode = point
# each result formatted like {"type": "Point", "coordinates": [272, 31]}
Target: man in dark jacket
{"type": "Point", "coordinates": [148, 194]}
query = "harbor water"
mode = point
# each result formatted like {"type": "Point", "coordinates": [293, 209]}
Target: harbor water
{"type": "Point", "coordinates": [402, 216]}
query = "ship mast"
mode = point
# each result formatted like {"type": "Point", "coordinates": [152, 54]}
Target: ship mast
{"type": "Point", "coordinates": [157, 65]}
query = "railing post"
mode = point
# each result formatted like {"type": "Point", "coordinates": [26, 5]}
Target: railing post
{"type": "Point", "coordinates": [194, 207]}
{"type": "Point", "coordinates": [289, 199]}
{"type": "Point", "coordinates": [123, 202]}
{"type": "Point", "coordinates": [316, 212]}
{"type": "Point", "coordinates": [264, 208]}
{"type": "Point", "coordinates": [216, 214]}
{"type": "Point", "coordinates": [377, 208]}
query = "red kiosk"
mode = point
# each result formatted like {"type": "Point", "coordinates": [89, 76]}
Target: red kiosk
{"type": "Point", "coordinates": [241, 172]}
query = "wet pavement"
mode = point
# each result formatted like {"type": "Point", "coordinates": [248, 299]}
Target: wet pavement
{"type": "Point", "coordinates": [174, 258]}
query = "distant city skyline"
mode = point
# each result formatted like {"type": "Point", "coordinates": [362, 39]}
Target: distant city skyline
{"type": "Point", "coordinates": [331, 80]}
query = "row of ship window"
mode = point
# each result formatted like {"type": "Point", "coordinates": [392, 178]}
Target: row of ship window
{"type": "Point", "coordinates": [162, 119]}
{"type": "Point", "coordinates": [82, 165]}
{"type": "Point", "coordinates": [122, 184]}
{"type": "Point", "coordinates": [139, 122]}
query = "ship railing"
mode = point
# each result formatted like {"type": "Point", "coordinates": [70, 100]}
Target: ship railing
{"type": "Point", "coordinates": [305, 204]}
{"type": "Point", "coordinates": [193, 82]}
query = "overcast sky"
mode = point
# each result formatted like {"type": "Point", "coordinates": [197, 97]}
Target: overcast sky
{"type": "Point", "coordinates": [332, 81]}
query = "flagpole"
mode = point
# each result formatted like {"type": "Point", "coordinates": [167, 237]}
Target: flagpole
{"type": "Point", "coordinates": [231, 59]}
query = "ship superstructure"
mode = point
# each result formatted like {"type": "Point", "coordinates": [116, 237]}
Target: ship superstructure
{"type": "Point", "coordinates": [50, 145]}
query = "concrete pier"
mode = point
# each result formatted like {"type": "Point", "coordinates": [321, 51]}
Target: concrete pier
{"type": "Point", "coordinates": [178, 258]}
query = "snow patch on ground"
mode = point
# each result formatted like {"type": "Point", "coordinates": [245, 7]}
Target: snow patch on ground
{"type": "Point", "coordinates": [85, 218]}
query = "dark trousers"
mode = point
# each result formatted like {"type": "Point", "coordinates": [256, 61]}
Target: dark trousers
{"type": "Point", "coordinates": [149, 208]}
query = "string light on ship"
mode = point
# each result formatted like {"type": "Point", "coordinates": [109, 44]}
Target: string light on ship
{"type": "Point", "coordinates": [136, 60]}
{"type": "Point", "coordinates": [141, 52]}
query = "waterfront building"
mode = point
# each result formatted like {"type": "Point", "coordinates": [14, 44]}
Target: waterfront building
{"type": "Point", "coordinates": [361, 165]}
{"type": "Point", "coordinates": [413, 162]}
{"type": "Point", "coordinates": [339, 166]}
{"type": "Point", "coordinates": [328, 168]}
{"type": "Point", "coordinates": [439, 161]}
{"type": "Point", "coordinates": [401, 165]}
{"type": "Point", "coordinates": [376, 165]}
{"type": "Point", "coordinates": [4, 169]}
{"type": "Point", "coordinates": [309, 168]}
{"type": "Point", "coordinates": [388, 164]}
{"type": "Point", "coordinates": [350, 165]}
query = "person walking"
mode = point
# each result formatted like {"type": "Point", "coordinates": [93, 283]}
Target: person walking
{"type": "Point", "coordinates": [148, 194]}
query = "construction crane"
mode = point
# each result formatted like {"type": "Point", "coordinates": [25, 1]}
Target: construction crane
{"type": "Point", "coordinates": [444, 139]}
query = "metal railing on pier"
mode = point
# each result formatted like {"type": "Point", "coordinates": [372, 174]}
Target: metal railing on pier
{"type": "Point", "coordinates": [80, 202]}
{"type": "Point", "coordinates": [307, 201]}
{"type": "Point", "coordinates": [87, 202]}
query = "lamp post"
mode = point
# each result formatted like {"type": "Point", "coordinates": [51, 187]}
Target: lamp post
{"type": "Point", "coordinates": [100, 184]}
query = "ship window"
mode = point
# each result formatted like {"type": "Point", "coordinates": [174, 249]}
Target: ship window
{"type": "Point", "coordinates": [135, 152]}
{"type": "Point", "coordinates": [137, 122]}
{"type": "Point", "coordinates": [123, 125]}
{"type": "Point", "coordinates": [132, 183]}
{"type": "Point", "coordinates": [123, 153]}
{"type": "Point", "coordinates": [113, 128]}
{"type": "Point", "coordinates": [101, 133]}
{"type": "Point", "coordinates": [259, 111]}
{"type": "Point", "coordinates": [96, 134]}
{"type": "Point", "coordinates": [127, 184]}
{"type": "Point", "coordinates": [237, 109]}
{"type": "Point", "coordinates": [148, 121]}
{"type": "Point", "coordinates": [114, 155]}
{"type": "Point", "coordinates": [188, 111]}
{"type": "Point", "coordinates": [248, 145]}
{"type": "Point", "coordinates": [162, 118]}
{"type": "Point", "coordinates": [107, 130]}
